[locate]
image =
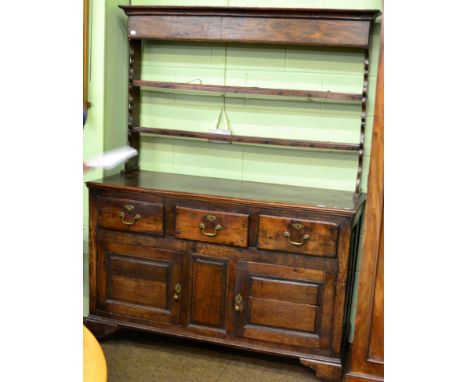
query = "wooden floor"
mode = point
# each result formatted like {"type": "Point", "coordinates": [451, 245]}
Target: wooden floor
{"type": "Point", "coordinates": [139, 357]}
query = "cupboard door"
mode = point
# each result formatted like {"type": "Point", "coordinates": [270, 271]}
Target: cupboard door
{"type": "Point", "coordinates": [208, 296]}
{"type": "Point", "coordinates": [284, 305]}
{"type": "Point", "coordinates": [140, 283]}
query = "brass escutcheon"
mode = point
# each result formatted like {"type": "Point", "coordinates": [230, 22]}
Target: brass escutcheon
{"type": "Point", "coordinates": [129, 207]}
{"type": "Point", "coordinates": [210, 218]}
{"type": "Point", "coordinates": [297, 226]}
{"type": "Point", "coordinates": [177, 289]}
{"type": "Point", "coordinates": [237, 306]}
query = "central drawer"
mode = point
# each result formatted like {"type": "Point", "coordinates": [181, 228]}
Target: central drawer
{"type": "Point", "coordinates": [212, 226]}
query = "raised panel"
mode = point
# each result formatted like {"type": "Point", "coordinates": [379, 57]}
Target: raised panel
{"type": "Point", "coordinates": [209, 288]}
{"type": "Point", "coordinates": [282, 314]}
{"type": "Point", "coordinates": [137, 281]}
{"type": "Point", "coordinates": [282, 290]}
{"type": "Point", "coordinates": [285, 305]}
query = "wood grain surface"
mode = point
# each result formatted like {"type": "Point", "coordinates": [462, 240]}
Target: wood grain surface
{"type": "Point", "coordinates": [94, 362]}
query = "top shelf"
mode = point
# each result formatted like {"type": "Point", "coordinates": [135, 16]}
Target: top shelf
{"type": "Point", "coordinates": [290, 26]}
{"type": "Point", "coordinates": [324, 13]}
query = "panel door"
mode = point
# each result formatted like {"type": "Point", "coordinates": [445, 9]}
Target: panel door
{"type": "Point", "coordinates": [284, 305]}
{"type": "Point", "coordinates": [208, 294]}
{"type": "Point", "coordinates": [139, 283]}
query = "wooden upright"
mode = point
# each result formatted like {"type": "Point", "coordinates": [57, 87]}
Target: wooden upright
{"type": "Point", "coordinates": [367, 358]}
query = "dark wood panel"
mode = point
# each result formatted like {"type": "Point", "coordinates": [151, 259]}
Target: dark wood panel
{"type": "Point", "coordinates": [136, 281]}
{"type": "Point", "coordinates": [284, 290]}
{"type": "Point", "coordinates": [212, 226]}
{"type": "Point", "coordinates": [310, 94]}
{"type": "Point", "coordinates": [249, 140]}
{"type": "Point", "coordinates": [280, 314]}
{"type": "Point", "coordinates": [138, 269]}
{"type": "Point", "coordinates": [253, 194]}
{"type": "Point", "coordinates": [209, 288]}
{"type": "Point", "coordinates": [283, 322]}
{"type": "Point", "coordinates": [131, 215]}
{"type": "Point", "coordinates": [283, 272]}
{"type": "Point", "coordinates": [303, 236]}
{"type": "Point", "coordinates": [276, 29]}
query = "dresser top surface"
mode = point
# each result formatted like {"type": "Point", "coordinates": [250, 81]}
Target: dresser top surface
{"type": "Point", "coordinates": [353, 14]}
{"type": "Point", "coordinates": [343, 202]}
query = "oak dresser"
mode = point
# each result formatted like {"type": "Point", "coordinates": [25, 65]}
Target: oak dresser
{"type": "Point", "coordinates": [261, 267]}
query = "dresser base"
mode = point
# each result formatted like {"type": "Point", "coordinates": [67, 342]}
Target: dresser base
{"type": "Point", "coordinates": [100, 329]}
{"type": "Point", "coordinates": [327, 369]}
{"type": "Point", "coordinates": [256, 271]}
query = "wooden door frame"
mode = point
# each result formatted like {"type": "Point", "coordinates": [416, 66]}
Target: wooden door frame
{"type": "Point", "coordinates": [365, 366]}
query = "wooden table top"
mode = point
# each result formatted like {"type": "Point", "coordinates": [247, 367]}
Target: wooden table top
{"type": "Point", "coordinates": [94, 363]}
{"type": "Point", "coordinates": [342, 202]}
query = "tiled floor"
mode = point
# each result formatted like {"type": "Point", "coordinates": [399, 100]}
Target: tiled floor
{"type": "Point", "coordinates": [138, 357]}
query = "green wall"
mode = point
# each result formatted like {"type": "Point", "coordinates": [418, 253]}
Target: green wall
{"type": "Point", "coordinates": [233, 64]}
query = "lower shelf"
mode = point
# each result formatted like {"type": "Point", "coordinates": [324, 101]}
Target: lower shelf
{"type": "Point", "coordinates": [353, 147]}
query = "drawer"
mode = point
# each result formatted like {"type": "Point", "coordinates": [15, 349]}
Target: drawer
{"type": "Point", "coordinates": [131, 215]}
{"type": "Point", "coordinates": [212, 226]}
{"type": "Point", "coordinates": [300, 236]}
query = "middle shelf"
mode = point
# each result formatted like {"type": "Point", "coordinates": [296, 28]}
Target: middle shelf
{"type": "Point", "coordinates": [309, 94]}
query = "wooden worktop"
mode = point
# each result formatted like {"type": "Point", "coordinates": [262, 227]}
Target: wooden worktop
{"type": "Point", "coordinates": [227, 190]}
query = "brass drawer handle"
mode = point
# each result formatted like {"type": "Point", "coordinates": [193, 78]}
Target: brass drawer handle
{"type": "Point", "coordinates": [297, 243]}
{"type": "Point", "coordinates": [211, 234]}
{"type": "Point", "coordinates": [238, 304]}
{"type": "Point", "coordinates": [135, 219]}
{"type": "Point", "coordinates": [178, 289]}
{"type": "Point", "coordinates": [211, 219]}
{"type": "Point", "coordinates": [129, 207]}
